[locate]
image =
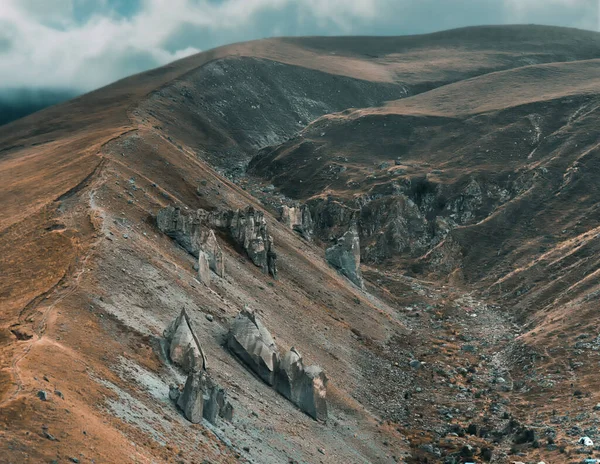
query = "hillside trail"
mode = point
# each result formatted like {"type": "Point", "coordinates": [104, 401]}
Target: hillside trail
{"type": "Point", "coordinates": [67, 286]}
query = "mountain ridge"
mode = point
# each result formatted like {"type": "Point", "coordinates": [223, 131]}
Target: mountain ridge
{"type": "Point", "coordinates": [479, 273]}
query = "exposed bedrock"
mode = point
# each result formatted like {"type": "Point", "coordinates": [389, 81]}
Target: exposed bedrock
{"type": "Point", "coordinates": [214, 253]}
{"type": "Point", "coordinates": [247, 228]}
{"type": "Point", "coordinates": [345, 256]}
{"type": "Point", "coordinates": [408, 219]}
{"type": "Point", "coordinates": [185, 227]}
{"type": "Point", "coordinates": [184, 347]}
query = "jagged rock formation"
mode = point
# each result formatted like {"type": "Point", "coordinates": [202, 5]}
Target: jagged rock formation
{"type": "Point", "coordinates": [203, 268]}
{"type": "Point", "coordinates": [345, 256]}
{"type": "Point", "coordinates": [298, 218]}
{"type": "Point", "coordinates": [250, 341]}
{"type": "Point", "coordinates": [184, 348]}
{"type": "Point", "coordinates": [291, 370]}
{"type": "Point", "coordinates": [306, 388]}
{"type": "Point", "coordinates": [215, 402]}
{"type": "Point", "coordinates": [214, 253]}
{"type": "Point", "coordinates": [331, 218]}
{"type": "Point", "coordinates": [203, 398]}
{"type": "Point", "coordinates": [247, 227]}
{"type": "Point", "coordinates": [186, 228]}
{"type": "Point", "coordinates": [313, 393]}
{"type": "Point", "coordinates": [412, 216]}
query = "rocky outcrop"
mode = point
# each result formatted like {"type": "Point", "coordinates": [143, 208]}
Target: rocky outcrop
{"type": "Point", "coordinates": [203, 268]}
{"type": "Point", "coordinates": [215, 402]}
{"type": "Point", "coordinates": [446, 257]}
{"type": "Point", "coordinates": [186, 227]}
{"type": "Point", "coordinates": [214, 253]}
{"type": "Point", "coordinates": [203, 398]}
{"type": "Point", "coordinates": [184, 348]}
{"type": "Point", "coordinates": [391, 226]}
{"type": "Point", "coordinates": [408, 217]}
{"type": "Point", "coordinates": [331, 218]}
{"type": "Point", "coordinates": [313, 393]}
{"type": "Point", "coordinates": [306, 388]}
{"type": "Point", "coordinates": [289, 375]}
{"type": "Point", "coordinates": [251, 342]}
{"type": "Point", "coordinates": [246, 227]}
{"type": "Point", "coordinates": [345, 256]}
{"type": "Point", "coordinates": [298, 218]}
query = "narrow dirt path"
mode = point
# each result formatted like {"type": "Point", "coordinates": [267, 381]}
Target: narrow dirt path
{"type": "Point", "coordinates": [71, 282]}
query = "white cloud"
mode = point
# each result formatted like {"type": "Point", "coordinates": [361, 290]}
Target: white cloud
{"type": "Point", "coordinates": [43, 43]}
{"type": "Point", "coordinates": [528, 10]}
{"type": "Point", "coordinates": [342, 12]}
{"type": "Point", "coordinates": [49, 48]}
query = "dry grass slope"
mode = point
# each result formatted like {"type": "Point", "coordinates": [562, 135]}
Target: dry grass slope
{"type": "Point", "coordinates": [88, 283]}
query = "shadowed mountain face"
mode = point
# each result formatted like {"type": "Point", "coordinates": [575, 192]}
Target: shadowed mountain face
{"type": "Point", "coordinates": [428, 205]}
{"type": "Point", "coordinates": [18, 103]}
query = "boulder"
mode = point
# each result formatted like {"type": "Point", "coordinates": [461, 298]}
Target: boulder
{"type": "Point", "coordinates": [289, 376]}
{"type": "Point", "coordinates": [345, 256]}
{"type": "Point", "coordinates": [306, 388]}
{"type": "Point", "coordinates": [251, 342]}
{"type": "Point", "coordinates": [313, 393]}
{"type": "Point", "coordinates": [525, 435]}
{"type": "Point", "coordinates": [184, 347]}
{"type": "Point", "coordinates": [174, 392]}
{"type": "Point", "coordinates": [191, 400]}
{"type": "Point", "coordinates": [204, 398]}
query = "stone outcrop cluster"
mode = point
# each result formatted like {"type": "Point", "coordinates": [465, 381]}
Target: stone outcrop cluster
{"type": "Point", "coordinates": [201, 396]}
{"type": "Point", "coordinates": [345, 256]}
{"type": "Point", "coordinates": [252, 343]}
{"type": "Point", "coordinates": [248, 228]}
{"type": "Point", "coordinates": [412, 216]}
{"type": "Point", "coordinates": [194, 231]}
{"type": "Point", "coordinates": [298, 218]}
{"type": "Point", "coordinates": [305, 387]}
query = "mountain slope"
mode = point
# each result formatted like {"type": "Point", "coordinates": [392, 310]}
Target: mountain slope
{"type": "Point", "coordinates": [484, 180]}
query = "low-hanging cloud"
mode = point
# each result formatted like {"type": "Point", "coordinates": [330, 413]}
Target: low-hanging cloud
{"type": "Point", "coordinates": [84, 44]}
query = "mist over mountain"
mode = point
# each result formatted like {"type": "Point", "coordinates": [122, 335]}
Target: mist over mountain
{"type": "Point", "coordinates": [17, 103]}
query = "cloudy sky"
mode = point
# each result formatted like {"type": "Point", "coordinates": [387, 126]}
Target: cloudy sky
{"type": "Point", "coordinates": [84, 44]}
